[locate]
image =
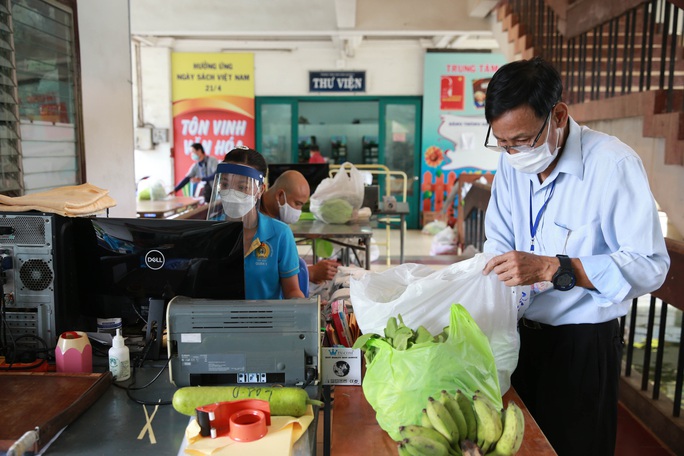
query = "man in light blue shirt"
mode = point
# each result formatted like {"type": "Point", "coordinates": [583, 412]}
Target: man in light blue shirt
{"type": "Point", "coordinates": [571, 213]}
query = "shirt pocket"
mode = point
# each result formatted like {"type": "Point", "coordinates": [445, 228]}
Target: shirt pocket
{"type": "Point", "coordinates": [577, 240]}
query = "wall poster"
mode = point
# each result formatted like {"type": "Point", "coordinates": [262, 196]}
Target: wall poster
{"type": "Point", "coordinates": [454, 125]}
{"type": "Point", "coordinates": [213, 104]}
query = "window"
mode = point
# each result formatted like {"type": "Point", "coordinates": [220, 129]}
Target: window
{"type": "Point", "coordinates": [10, 154]}
{"type": "Point", "coordinates": [42, 34]}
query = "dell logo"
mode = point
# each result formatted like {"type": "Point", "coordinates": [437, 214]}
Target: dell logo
{"type": "Point", "coordinates": [154, 259]}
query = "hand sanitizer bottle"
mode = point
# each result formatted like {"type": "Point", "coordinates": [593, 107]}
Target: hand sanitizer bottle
{"type": "Point", "coordinates": [119, 358]}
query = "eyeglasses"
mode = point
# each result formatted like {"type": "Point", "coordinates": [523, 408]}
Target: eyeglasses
{"type": "Point", "coordinates": [517, 148]}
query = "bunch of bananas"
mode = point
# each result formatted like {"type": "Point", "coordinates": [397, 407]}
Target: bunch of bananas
{"type": "Point", "coordinates": [399, 336]}
{"type": "Point", "coordinates": [455, 425]}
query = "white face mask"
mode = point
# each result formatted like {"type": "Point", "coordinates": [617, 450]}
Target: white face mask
{"type": "Point", "coordinates": [536, 160]}
{"type": "Point", "coordinates": [236, 204]}
{"type": "Point", "coordinates": [287, 213]}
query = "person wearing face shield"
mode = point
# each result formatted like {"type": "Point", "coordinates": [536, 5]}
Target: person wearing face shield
{"type": "Point", "coordinates": [284, 201]}
{"type": "Point", "coordinates": [571, 214]}
{"type": "Point", "coordinates": [203, 169]}
{"type": "Point", "coordinates": [271, 260]}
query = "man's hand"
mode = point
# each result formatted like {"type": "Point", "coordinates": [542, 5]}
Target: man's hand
{"type": "Point", "coordinates": [195, 179]}
{"type": "Point", "coordinates": [521, 268]}
{"type": "Point", "coordinates": [323, 270]}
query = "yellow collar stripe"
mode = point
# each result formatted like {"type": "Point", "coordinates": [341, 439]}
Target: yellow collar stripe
{"type": "Point", "coordinates": [255, 245]}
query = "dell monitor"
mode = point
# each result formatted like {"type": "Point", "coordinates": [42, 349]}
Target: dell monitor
{"type": "Point", "coordinates": [126, 265]}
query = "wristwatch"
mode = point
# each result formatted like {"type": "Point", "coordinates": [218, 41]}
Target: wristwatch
{"type": "Point", "coordinates": [564, 279]}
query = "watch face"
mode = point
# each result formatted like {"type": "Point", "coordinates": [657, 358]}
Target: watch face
{"type": "Point", "coordinates": [564, 281]}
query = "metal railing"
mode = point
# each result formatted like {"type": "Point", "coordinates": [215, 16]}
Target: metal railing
{"type": "Point", "coordinates": [474, 209]}
{"type": "Point", "coordinates": [637, 51]}
{"type": "Point", "coordinates": [658, 379]}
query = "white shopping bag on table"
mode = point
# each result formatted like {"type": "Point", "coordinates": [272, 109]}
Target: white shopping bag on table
{"type": "Point", "coordinates": [344, 192]}
{"type": "Point", "coordinates": [423, 296]}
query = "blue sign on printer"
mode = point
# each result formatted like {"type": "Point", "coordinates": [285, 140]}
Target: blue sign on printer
{"type": "Point", "coordinates": [337, 81]}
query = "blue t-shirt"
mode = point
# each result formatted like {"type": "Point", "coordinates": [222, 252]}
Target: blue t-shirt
{"type": "Point", "coordinates": [272, 256]}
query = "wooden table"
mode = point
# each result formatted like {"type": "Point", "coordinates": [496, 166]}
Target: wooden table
{"type": "Point", "coordinates": [355, 430]}
{"type": "Point", "coordinates": [168, 208]}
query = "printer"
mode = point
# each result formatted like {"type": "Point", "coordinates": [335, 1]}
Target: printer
{"type": "Point", "coordinates": [224, 342]}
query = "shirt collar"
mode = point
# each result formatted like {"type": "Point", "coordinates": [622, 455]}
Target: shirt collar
{"type": "Point", "coordinates": [264, 231]}
{"type": "Point", "coordinates": [571, 160]}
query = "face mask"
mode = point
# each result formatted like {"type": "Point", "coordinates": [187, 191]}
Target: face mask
{"type": "Point", "coordinates": [236, 204]}
{"type": "Point", "coordinates": [534, 161]}
{"type": "Point", "coordinates": [288, 214]}
{"type": "Point", "coordinates": [194, 156]}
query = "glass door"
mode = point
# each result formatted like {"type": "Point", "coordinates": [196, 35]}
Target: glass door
{"type": "Point", "coordinates": [400, 148]}
{"type": "Point", "coordinates": [276, 128]}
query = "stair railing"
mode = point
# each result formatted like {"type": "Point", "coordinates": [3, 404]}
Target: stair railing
{"type": "Point", "coordinates": [639, 50]}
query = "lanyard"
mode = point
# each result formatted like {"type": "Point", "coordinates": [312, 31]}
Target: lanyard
{"type": "Point", "coordinates": [535, 225]}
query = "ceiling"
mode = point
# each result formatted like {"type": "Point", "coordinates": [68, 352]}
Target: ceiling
{"type": "Point", "coordinates": [345, 25]}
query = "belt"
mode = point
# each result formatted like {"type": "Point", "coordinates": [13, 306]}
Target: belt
{"type": "Point", "coordinates": [533, 324]}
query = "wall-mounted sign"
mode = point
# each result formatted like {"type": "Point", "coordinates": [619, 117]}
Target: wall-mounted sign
{"type": "Point", "coordinates": [454, 125]}
{"type": "Point", "coordinates": [337, 81]}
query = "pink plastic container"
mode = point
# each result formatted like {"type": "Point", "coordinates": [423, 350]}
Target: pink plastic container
{"type": "Point", "coordinates": [74, 353]}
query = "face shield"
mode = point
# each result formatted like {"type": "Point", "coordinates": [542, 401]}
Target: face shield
{"type": "Point", "coordinates": [236, 193]}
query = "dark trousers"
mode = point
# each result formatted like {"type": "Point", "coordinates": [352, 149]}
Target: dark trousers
{"type": "Point", "coordinates": [567, 376]}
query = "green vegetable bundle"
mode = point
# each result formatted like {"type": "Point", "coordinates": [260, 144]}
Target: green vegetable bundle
{"type": "Point", "coordinates": [335, 211]}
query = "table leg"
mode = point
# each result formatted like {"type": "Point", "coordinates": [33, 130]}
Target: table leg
{"type": "Point", "coordinates": [313, 246]}
{"type": "Point", "coordinates": [402, 236]}
{"type": "Point", "coordinates": [327, 424]}
{"type": "Point", "coordinates": [367, 241]}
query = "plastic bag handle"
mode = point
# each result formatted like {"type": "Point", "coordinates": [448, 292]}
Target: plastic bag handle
{"type": "Point", "coordinates": [343, 168]}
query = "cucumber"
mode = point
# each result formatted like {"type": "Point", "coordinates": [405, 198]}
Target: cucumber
{"type": "Point", "coordinates": [284, 401]}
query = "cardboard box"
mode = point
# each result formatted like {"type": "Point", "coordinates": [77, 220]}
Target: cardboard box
{"type": "Point", "coordinates": [341, 366]}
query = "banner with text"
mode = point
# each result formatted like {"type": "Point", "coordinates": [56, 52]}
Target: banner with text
{"type": "Point", "coordinates": [454, 125]}
{"type": "Point", "coordinates": [213, 104]}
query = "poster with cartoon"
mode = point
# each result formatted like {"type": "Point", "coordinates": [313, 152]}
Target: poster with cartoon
{"type": "Point", "coordinates": [454, 125]}
{"type": "Point", "coordinates": [213, 104]}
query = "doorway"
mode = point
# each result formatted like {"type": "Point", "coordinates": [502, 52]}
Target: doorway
{"type": "Point", "coordinates": [341, 129]}
{"type": "Point", "coordinates": [360, 130]}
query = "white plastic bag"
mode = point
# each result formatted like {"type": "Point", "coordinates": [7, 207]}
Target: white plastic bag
{"type": "Point", "coordinates": [444, 243]}
{"type": "Point", "coordinates": [423, 296]}
{"type": "Point", "coordinates": [342, 192]}
{"type": "Point", "coordinates": [433, 227]}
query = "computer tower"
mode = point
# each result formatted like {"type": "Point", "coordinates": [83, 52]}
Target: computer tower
{"type": "Point", "coordinates": [35, 258]}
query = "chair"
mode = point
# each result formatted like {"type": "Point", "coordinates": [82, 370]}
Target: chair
{"type": "Point", "coordinates": [304, 277]}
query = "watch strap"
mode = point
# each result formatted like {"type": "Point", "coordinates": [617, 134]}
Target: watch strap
{"type": "Point", "coordinates": [565, 262]}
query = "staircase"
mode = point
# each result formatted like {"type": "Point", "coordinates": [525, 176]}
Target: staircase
{"type": "Point", "coordinates": [623, 77]}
